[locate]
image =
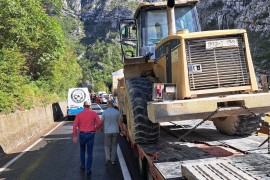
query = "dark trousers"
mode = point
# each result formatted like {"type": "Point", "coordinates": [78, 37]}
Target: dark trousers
{"type": "Point", "coordinates": [110, 146]}
{"type": "Point", "coordinates": [87, 142]}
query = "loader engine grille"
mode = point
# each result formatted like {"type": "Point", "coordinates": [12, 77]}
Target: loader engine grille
{"type": "Point", "coordinates": [218, 66]}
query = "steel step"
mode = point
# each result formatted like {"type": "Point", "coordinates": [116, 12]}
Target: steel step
{"type": "Point", "coordinates": [215, 170]}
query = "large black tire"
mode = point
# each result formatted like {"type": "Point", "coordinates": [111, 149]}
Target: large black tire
{"type": "Point", "coordinates": [238, 125]}
{"type": "Point", "coordinates": [141, 130]}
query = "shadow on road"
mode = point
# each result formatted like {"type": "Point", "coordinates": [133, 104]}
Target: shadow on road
{"type": "Point", "coordinates": [57, 157]}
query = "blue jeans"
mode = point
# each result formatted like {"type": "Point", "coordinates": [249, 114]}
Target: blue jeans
{"type": "Point", "coordinates": [86, 140]}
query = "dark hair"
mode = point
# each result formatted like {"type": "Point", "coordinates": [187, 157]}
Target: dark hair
{"type": "Point", "coordinates": [110, 102]}
{"type": "Point", "coordinates": [115, 107]}
{"type": "Point", "coordinates": [87, 106]}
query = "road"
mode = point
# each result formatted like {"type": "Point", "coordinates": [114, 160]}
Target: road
{"type": "Point", "coordinates": [128, 154]}
{"type": "Point", "coordinates": [55, 156]}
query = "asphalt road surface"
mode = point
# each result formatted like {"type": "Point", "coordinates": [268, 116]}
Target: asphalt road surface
{"type": "Point", "coordinates": [55, 156]}
{"type": "Point", "coordinates": [129, 156]}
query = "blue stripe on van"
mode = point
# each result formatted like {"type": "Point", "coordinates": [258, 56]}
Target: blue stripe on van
{"type": "Point", "coordinates": [75, 111]}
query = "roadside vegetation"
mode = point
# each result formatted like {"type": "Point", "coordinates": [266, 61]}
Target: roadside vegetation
{"type": "Point", "coordinates": [101, 59]}
{"type": "Point", "coordinates": [43, 54]}
{"type": "Point", "coordinates": [37, 65]}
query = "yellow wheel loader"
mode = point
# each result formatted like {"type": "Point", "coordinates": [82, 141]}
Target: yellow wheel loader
{"type": "Point", "coordinates": [174, 71]}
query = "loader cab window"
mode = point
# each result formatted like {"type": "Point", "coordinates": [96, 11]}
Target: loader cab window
{"type": "Point", "coordinates": [156, 27]}
{"type": "Point", "coordinates": [186, 18]}
{"type": "Point", "coordinates": [153, 26]}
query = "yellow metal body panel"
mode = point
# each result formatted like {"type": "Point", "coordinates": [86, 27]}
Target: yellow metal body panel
{"type": "Point", "coordinates": [202, 107]}
{"type": "Point", "coordinates": [179, 65]}
{"type": "Point", "coordinates": [183, 82]}
{"type": "Point", "coordinates": [160, 69]}
{"type": "Point", "coordinates": [175, 58]}
{"type": "Point", "coordinates": [136, 70]}
{"type": "Point", "coordinates": [207, 100]}
{"type": "Point", "coordinates": [250, 65]}
{"type": "Point", "coordinates": [201, 34]}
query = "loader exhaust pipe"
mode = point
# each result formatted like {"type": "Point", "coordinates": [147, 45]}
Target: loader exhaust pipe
{"type": "Point", "coordinates": [171, 17]}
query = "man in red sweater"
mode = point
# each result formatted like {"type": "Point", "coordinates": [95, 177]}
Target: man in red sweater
{"type": "Point", "coordinates": [87, 122]}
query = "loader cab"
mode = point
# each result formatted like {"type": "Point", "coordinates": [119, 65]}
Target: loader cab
{"type": "Point", "coordinates": [151, 25]}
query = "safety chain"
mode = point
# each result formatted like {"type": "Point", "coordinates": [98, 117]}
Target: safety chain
{"type": "Point", "coordinates": [249, 110]}
{"type": "Point", "coordinates": [261, 121]}
{"type": "Point", "coordinates": [181, 138]}
{"type": "Point", "coordinates": [266, 124]}
{"type": "Point", "coordinates": [205, 119]}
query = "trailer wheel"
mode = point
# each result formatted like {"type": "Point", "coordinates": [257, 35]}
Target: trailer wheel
{"type": "Point", "coordinates": [141, 130]}
{"type": "Point", "coordinates": [238, 125]}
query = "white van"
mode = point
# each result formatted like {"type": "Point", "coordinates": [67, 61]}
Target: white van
{"type": "Point", "coordinates": [76, 98]}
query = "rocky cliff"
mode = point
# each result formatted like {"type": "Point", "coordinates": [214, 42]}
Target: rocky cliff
{"type": "Point", "coordinates": [252, 15]}
{"type": "Point", "coordinates": [72, 7]}
{"type": "Point", "coordinates": [100, 18]}
{"type": "Point", "coordinates": [223, 14]}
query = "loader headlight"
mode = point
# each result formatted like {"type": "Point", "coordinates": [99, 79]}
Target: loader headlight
{"type": "Point", "coordinates": [164, 91]}
{"type": "Point", "coordinates": [170, 89]}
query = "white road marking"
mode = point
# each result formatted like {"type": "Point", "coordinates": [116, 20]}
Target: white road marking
{"type": "Point", "coordinates": [121, 159]}
{"type": "Point", "coordinates": [101, 110]}
{"type": "Point", "coordinates": [123, 165]}
{"type": "Point", "coordinates": [27, 149]}
{"type": "Point", "coordinates": [56, 139]}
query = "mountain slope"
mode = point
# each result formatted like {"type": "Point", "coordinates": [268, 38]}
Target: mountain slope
{"type": "Point", "coordinates": [101, 17]}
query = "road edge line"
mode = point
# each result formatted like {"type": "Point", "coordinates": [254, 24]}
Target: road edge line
{"type": "Point", "coordinates": [27, 149]}
{"type": "Point", "coordinates": [100, 109]}
{"type": "Point", "coordinates": [123, 164]}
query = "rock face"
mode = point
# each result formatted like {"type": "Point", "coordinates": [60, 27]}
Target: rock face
{"type": "Point", "coordinates": [105, 11]}
{"type": "Point", "coordinates": [71, 13]}
{"type": "Point", "coordinates": [253, 15]}
{"type": "Point", "coordinates": [72, 6]}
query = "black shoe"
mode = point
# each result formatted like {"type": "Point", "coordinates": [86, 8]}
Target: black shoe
{"type": "Point", "coordinates": [82, 168]}
{"type": "Point", "coordinates": [88, 173]}
{"type": "Point", "coordinates": [107, 162]}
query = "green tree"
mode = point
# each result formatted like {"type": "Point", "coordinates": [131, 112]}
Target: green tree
{"type": "Point", "coordinates": [65, 74]}
{"type": "Point", "coordinates": [35, 62]}
{"type": "Point", "coordinates": [103, 58]}
{"type": "Point", "coordinates": [11, 79]}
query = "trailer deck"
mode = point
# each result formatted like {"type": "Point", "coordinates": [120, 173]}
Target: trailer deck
{"type": "Point", "coordinates": [206, 148]}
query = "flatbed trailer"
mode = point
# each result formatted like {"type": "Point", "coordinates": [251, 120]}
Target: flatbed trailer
{"type": "Point", "coordinates": [204, 154]}
{"type": "Point", "coordinates": [175, 72]}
